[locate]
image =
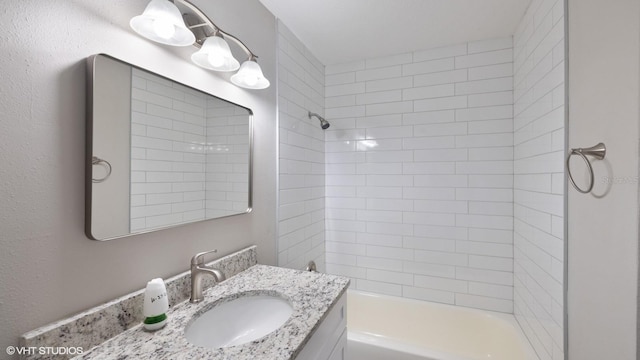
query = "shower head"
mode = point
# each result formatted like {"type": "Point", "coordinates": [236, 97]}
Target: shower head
{"type": "Point", "coordinates": [324, 124]}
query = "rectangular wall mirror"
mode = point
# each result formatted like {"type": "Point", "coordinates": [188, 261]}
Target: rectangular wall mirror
{"type": "Point", "coordinates": [160, 153]}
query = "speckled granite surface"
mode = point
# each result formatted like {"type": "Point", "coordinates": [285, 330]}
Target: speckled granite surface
{"type": "Point", "coordinates": [101, 323]}
{"type": "Point", "coordinates": [310, 294]}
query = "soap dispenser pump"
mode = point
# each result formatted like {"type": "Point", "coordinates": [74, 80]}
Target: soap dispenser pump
{"type": "Point", "coordinates": [156, 304]}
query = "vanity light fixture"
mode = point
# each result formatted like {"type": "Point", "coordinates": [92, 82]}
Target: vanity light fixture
{"type": "Point", "coordinates": [250, 75]}
{"type": "Point", "coordinates": [162, 22]}
{"type": "Point", "coordinates": [181, 23]}
{"type": "Point", "coordinates": [215, 55]}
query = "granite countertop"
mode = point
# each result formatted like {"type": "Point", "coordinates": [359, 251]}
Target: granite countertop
{"type": "Point", "coordinates": [311, 295]}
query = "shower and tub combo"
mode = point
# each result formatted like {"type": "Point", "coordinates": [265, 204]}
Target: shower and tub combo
{"type": "Point", "coordinates": [440, 183]}
{"type": "Point", "coordinates": [383, 327]}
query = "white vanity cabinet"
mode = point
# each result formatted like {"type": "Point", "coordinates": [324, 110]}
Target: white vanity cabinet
{"type": "Point", "coordinates": [329, 341]}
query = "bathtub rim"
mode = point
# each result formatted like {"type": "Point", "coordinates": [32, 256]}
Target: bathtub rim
{"type": "Point", "coordinates": [392, 344]}
{"type": "Point", "coordinates": [379, 340]}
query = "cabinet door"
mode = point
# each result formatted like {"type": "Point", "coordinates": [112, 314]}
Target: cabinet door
{"type": "Point", "coordinates": [323, 341]}
{"type": "Point", "coordinates": [341, 348]}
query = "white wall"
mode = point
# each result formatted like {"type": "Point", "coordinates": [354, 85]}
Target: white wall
{"type": "Point", "coordinates": [420, 174]}
{"type": "Point", "coordinates": [539, 121]}
{"type": "Point", "coordinates": [301, 207]}
{"type": "Point", "coordinates": [604, 103]}
{"type": "Point", "coordinates": [48, 268]}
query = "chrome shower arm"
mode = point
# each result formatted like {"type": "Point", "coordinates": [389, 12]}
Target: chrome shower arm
{"type": "Point", "coordinates": [312, 114]}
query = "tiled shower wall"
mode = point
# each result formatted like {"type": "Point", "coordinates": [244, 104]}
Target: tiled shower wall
{"type": "Point", "coordinates": [539, 175]}
{"type": "Point", "coordinates": [167, 165]}
{"type": "Point", "coordinates": [301, 205]}
{"type": "Point", "coordinates": [419, 170]}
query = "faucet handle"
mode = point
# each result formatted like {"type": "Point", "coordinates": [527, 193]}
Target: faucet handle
{"type": "Point", "coordinates": [198, 259]}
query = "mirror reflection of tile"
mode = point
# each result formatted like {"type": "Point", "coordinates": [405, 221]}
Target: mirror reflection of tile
{"type": "Point", "coordinates": [189, 158]}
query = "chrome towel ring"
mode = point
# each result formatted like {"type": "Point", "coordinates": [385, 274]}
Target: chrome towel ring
{"type": "Point", "coordinates": [598, 151]}
{"type": "Point", "coordinates": [97, 161]}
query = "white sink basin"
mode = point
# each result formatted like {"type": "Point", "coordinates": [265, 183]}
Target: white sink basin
{"type": "Point", "coordinates": [239, 321]}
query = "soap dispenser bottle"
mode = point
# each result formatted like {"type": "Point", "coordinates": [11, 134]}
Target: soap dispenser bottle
{"type": "Point", "coordinates": [156, 304]}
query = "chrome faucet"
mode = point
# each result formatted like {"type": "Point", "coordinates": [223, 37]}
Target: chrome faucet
{"type": "Point", "coordinates": [198, 270]}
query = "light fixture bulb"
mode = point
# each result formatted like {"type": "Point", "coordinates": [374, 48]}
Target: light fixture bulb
{"type": "Point", "coordinates": [251, 80]}
{"type": "Point", "coordinates": [250, 76]}
{"type": "Point", "coordinates": [163, 29]}
{"type": "Point", "coordinates": [215, 59]}
{"type": "Point", "coordinates": [215, 55]}
{"type": "Point", "coordinates": [162, 22]}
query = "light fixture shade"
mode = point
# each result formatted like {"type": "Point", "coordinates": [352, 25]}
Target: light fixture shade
{"type": "Point", "coordinates": [215, 55]}
{"type": "Point", "coordinates": [162, 22]}
{"type": "Point", "coordinates": [250, 76]}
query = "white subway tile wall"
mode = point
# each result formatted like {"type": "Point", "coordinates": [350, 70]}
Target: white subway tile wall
{"type": "Point", "coordinates": [539, 116]}
{"type": "Point", "coordinates": [301, 207]}
{"type": "Point", "coordinates": [419, 174]}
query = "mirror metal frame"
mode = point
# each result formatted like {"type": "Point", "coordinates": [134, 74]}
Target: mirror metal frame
{"type": "Point", "coordinates": [90, 75]}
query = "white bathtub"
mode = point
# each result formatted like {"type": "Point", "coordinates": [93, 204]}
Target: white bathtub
{"type": "Point", "coordinates": [384, 327]}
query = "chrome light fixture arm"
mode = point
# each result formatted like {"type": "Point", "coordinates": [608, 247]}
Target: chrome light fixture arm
{"type": "Point", "coordinates": [206, 22]}
{"type": "Point", "coordinates": [251, 56]}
